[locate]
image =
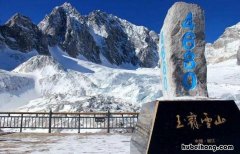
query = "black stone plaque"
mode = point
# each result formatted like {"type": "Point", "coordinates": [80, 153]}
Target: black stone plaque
{"type": "Point", "coordinates": [169, 125]}
{"type": "Point", "coordinates": [100, 119]}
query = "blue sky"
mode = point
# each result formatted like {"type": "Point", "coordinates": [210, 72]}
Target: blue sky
{"type": "Point", "coordinates": [150, 13]}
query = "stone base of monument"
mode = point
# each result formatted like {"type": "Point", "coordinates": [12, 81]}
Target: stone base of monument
{"type": "Point", "coordinates": [186, 126]}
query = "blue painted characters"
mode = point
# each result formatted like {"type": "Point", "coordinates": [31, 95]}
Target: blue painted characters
{"type": "Point", "coordinates": [189, 80]}
{"type": "Point", "coordinates": [164, 64]}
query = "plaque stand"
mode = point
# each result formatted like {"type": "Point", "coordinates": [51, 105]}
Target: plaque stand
{"type": "Point", "coordinates": [164, 127]}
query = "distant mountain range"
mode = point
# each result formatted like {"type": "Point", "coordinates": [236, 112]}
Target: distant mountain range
{"type": "Point", "coordinates": [98, 37]}
{"type": "Point", "coordinates": [96, 62]}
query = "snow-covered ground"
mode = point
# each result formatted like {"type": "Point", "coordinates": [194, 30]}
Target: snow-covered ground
{"type": "Point", "coordinates": [65, 143]}
{"type": "Point", "coordinates": [9, 59]}
{"type": "Point", "coordinates": [63, 83]}
{"type": "Point", "coordinates": [69, 84]}
{"type": "Point", "coordinates": [224, 80]}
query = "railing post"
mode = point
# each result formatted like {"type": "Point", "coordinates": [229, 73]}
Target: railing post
{"type": "Point", "coordinates": [79, 123]}
{"type": "Point", "coordinates": [135, 122]}
{"type": "Point", "coordinates": [21, 123]}
{"type": "Point", "coordinates": [50, 121]}
{"type": "Point", "coordinates": [108, 122]}
{"type": "Point", "coordinates": [123, 123]}
{"type": "Point", "coordinates": [133, 117]}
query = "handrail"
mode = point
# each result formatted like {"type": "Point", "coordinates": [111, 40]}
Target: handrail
{"type": "Point", "coordinates": [83, 113]}
{"type": "Point", "coordinates": [68, 120]}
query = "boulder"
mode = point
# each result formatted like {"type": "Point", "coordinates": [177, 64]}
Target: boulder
{"type": "Point", "coordinates": [182, 47]}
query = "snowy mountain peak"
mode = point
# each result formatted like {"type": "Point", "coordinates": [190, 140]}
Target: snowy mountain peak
{"type": "Point", "coordinates": [37, 62]}
{"type": "Point", "coordinates": [45, 64]}
{"type": "Point", "coordinates": [99, 13]}
{"type": "Point", "coordinates": [19, 20]}
{"type": "Point", "coordinates": [69, 9]}
{"type": "Point", "coordinates": [237, 26]}
{"type": "Point", "coordinates": [100, 37]}
{"type": "Point", "coordinates": [60, 16]}
{"type": "Point", "coordinates": [226, 46]}
{"type": "Point", "coordinates": [231, 33]}
{"type": "Point", "coordinates": [18, 16]}
{"type": "Point", "coordinates": [22, 35]}
{"type": "Point", "coordinates": [67, 5]}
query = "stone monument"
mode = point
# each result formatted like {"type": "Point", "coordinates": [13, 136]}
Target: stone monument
{"type": "Point", "coordinates": [182, 46]}
{"type": "Point", "coordinates": [170, 125]}
{"type": "Point", "coordinates": [166, 127]}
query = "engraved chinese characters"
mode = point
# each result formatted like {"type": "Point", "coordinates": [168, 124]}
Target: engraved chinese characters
{"type": "Point", "coordinates": [181, 49]}
{"type": "Point", "coordinates": [164, 125]}
{"type": "Point", "coordinates": [193, 122]}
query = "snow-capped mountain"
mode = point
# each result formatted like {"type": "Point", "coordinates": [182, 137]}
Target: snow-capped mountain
{"type": "Point", "coordinates": [226, 47]}
{"type": "Point", "coordinates": [74, 62]}
{"type": "Point", "coordinates": [63, 83]}
{"type": "Point", "coordinates": [100, 37]}
{"type": "Point", "coordinates": [20, 39]}
{"type": "Point", "coordinates": [19, 33]}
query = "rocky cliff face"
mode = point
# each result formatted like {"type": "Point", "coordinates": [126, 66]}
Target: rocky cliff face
{"type": "Point", "coordinates": [19, 33]}
{"type": "Point", "coordinates": [226, 47]}
{"type": "Point", "coordinates": [123, 41]}
{"type": "Point", "coordinates": [66, 28]}
{"type": "Point", "coordinates": [99, 36]}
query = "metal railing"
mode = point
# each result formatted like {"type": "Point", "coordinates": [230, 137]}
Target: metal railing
{"type": "Point", "coordinates": [66, 120]}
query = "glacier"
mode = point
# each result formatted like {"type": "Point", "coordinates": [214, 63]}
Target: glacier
{"type": "Point", "coordinates": [62, 71]}
{"type": "Point", "coordinates": [62, 83]}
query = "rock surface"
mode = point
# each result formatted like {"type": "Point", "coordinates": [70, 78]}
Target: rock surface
{"type": "Point", "coordinates": [176, 81]}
